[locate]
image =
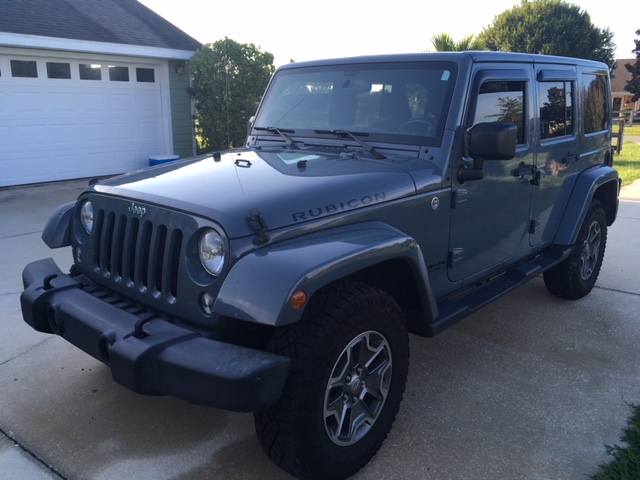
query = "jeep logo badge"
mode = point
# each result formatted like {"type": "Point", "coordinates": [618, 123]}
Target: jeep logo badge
{"type": "Point", "coordinates": [137, 210]}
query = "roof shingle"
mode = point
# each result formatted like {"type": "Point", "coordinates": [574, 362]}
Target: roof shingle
{"type": "Point", "coordinates": [111, 21]}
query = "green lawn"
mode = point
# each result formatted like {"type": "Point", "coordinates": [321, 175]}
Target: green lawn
{"type": "Point", "coordinates": [628, 162]}
{"type": "Point", "coordinates": [625, 464]}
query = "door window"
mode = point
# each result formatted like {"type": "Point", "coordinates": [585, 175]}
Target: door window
{"type": "Point", "coordinates": [502, 102]}
{"type": "Point", "coordinates": [556, 109]}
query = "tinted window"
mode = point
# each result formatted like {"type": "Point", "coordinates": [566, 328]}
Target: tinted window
{"type": "Point", "coordinates": [502, 102]}
{"type": "Point", "coordinates": [595, 101]}
{"type": "Point", "coordinates": [90, 72]}
{"type": "Point", "coordinates": [24, 68]}
{"type": "Point", "coordinates": [118, 74]}
{"type": "Point", "coordinates": [58, 70]}
{"type": "Point", "coordinates": [556, 109]}
{"type": "Point", "coordinates": [146, 75]}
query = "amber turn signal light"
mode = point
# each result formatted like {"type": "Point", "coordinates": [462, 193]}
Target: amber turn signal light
{"type": "Point", "coordinates": [298, 299]}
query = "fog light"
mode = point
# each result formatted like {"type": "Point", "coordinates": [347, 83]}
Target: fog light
{"type": "Point", "coordinates": [206, 303]}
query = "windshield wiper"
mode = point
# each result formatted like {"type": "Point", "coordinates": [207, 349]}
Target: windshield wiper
{"type": "Point", "coordinates": [283, 133]}
{"type": "Point", "coordinates": [352, 135]}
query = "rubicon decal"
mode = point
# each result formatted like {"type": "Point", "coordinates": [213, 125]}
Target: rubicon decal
{"type": "Point", "coordinates": [338, 207]}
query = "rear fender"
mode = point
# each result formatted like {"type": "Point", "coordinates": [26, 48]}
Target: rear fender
{"type": "Point", "coordinates": [599, 182]}
{"type": "Point", "coordinates": [259, 286]}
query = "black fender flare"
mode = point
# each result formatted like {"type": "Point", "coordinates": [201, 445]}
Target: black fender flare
{"type": "Point", "coordinates": [601, 182]}
{"type": "Point", "coordinates": [57, 231]}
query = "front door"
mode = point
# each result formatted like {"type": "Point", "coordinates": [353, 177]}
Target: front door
{"type": "Point", "coordinates": [490, 219]}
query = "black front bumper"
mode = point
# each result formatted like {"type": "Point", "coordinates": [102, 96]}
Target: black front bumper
{"type": "Point", "coordinates": [162, 358]}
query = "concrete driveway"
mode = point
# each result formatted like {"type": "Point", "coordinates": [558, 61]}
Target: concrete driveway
{"type": "Point", "coordinates": [533, 387]}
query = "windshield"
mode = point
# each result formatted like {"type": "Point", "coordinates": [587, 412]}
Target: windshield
{"type": "Point", "coordinates": [393, 102]}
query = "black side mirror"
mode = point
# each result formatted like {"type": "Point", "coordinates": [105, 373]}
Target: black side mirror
{"type": "Point", "coordinates": [493, 141]}
{"type": "Point", "coordinates": [488, 141]}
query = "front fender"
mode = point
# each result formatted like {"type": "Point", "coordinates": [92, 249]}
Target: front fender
{"type": "Point", "coordinates": [258, 287]}
{"type": "Point", "coordinates": [601, 182]}
{"type": "Point", "coordinates": [57, 232]}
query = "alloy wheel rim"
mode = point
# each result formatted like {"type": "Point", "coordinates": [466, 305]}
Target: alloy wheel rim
{"type": "Point", "coordinates": [357, 388]}
{"type": "Point", "coordinates": [591, 251]}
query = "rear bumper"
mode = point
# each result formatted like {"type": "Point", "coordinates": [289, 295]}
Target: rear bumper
{"type": "Point", "coordinates": [163, 359]}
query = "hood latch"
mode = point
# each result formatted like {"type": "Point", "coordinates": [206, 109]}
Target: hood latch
{"type": "Point", "coordinates": [257, 224]}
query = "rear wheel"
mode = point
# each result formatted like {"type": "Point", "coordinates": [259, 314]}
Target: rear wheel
{"type": "Point", "coordinates": [575, 277]}
{"type": "Point", "coordinates": [349, 363]}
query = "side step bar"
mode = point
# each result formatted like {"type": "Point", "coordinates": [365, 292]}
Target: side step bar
{"type": "Point", "coordinates": [454, 309]}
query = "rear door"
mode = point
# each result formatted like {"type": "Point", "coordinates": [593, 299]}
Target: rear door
{"type": "Point", "coordinates": [568, 141]}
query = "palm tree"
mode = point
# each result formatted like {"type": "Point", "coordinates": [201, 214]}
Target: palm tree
{"type": "Point", "coordinates": [443, 42]}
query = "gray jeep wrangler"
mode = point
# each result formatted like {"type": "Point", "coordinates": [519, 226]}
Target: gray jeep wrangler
{"type": "Point", "coordinates": [375, 196]}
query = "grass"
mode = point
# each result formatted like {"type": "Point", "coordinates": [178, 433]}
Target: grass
{"type": "Point", "coordinates": [628, 163]}
{"type": "Point", "coordinates": [633, 131]}
{"type": "Point", "coordinates": [626, 459]}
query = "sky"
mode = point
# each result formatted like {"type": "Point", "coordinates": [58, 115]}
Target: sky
{"type": "Point", "coordinates": [302, 30]}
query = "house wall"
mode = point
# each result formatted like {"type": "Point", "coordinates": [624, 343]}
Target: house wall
{"type": "Point", "coordinates": [181, 110]}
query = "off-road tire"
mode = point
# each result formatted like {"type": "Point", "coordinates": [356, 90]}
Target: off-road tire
{"type": "Point", "coordinates": [575, 276]}
{"type": "Point", "coordinates": [298, 431]}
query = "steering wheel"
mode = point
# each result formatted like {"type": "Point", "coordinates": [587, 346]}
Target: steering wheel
{"type": "Point", "coordinates": [417, 126]}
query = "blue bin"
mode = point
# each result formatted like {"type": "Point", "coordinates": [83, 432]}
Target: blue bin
{"type": "Point", "coordinates": [160, 159]}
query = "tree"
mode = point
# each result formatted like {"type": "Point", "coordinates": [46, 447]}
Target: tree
{"type": "Point", "coordinates": [443, 42]}
{"type": "Point", "coordinates": [228, 79]}
{"type": "Point", "coordinates": [551, 27]}
{"type": "Point", "coordinates": [633, 85]}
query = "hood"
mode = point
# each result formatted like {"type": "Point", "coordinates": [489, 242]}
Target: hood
{"type": "Point", "coordinates": [286, 186]}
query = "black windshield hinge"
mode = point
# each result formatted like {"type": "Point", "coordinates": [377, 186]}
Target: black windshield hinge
{"type": "Point", "coordinates": [258, 226]}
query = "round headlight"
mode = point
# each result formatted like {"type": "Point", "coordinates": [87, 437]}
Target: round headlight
{"type": "Point", "coordinates": [86, 216]}
{"type": "Point", "coordinates": [211, 250]}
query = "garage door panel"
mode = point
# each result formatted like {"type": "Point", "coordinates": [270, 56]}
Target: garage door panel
{"type": "Point", "coordinates": [27, 135]}
{"type": "Point", "coordinates": [62, 102]}
{"type": "Point", "coordinates": [28, 100]}
{"type": "Point", "coordinates": [54, 129]}
{"type": "Point", "coordinates": [92, 102]}
{"type": "Point", "coordinates": [147, 103]}
{"type": "Point", "coordinates": [5, 137]}
{"type": "Point", "coordinates": [121, 103]}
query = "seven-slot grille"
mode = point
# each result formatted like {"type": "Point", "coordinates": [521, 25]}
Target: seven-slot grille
{"type": "Point", "coordinates": [137, 253]}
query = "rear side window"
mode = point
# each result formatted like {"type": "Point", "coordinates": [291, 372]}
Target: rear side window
{"type": "Point", "coordinates": [556, 109]}
{"type": "Point", "coordinates": [502, 102]}
{"type": "Point", "coordinates": [595, 101]}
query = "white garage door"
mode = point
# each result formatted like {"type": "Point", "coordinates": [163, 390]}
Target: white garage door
{"type": "Point", "coordinates": [63, 119]}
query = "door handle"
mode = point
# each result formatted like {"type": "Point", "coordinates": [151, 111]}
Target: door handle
{"type": "Point", "coordinates": [570, 159]}
{"type": "Point", "coordinates": [523, 170]}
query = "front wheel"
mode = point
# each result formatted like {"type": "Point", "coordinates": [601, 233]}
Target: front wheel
{"type": "Point", "coordinates": [349, 363]}
{"type": "Point", "coordinates": [575, 276]}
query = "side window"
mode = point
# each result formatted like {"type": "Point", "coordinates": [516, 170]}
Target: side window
{"type": "Point", "coordinates": [595, 101]}
{"type": "Point", "coordinates": [556, 109]}
{"type": "Point", "coordinates": [502, 102]}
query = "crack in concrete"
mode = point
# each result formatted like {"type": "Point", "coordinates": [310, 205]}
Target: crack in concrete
{"type": "Point", "coordinates": [617, 291]}
{"type": "Point", "coordinates": [32, 455]}
{"type": "Point", "coordinates": [26, 351]}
